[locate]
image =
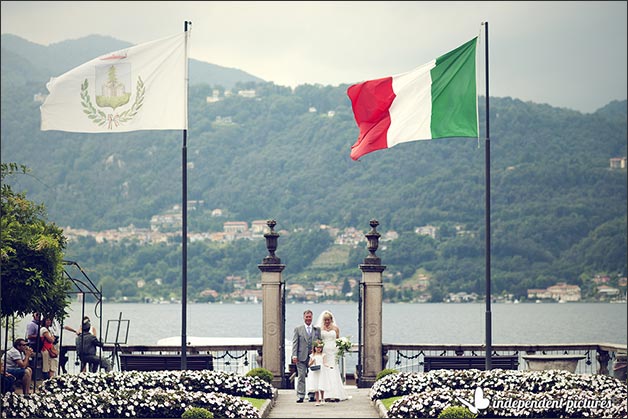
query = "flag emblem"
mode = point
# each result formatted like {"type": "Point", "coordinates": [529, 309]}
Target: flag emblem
{"type": "Point", "coordinates": [113, 81]}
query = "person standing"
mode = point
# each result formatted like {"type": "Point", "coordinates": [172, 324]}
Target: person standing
{"type": "Point", "coordinates": [17, 363]}
{"type": "Point", "coordinates": [50, 364]}
{"type": "Point", "coordinates": [315, 378]}
{"type": "Point", "coordinates": [302, 339]}
{"type": "Point", "coordinates": [32, 332]}
{"type": "Point", "coordinates": [330, 331]}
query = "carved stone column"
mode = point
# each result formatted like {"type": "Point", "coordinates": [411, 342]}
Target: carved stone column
{"type": "Point", "coordinates": [273, 332]}
{"type": "Point", "coordinates": [371, 296]}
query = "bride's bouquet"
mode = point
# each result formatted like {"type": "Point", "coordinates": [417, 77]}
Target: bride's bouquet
{"type": "Point", "coordinates": [343, 345]}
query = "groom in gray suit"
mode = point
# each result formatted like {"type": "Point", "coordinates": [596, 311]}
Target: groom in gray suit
{"type": "Point", "coordinates": [302, 340]}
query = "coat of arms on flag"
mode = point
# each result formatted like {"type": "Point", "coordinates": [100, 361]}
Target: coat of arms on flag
{"type": "Point", "coordinates": [113, 82]}
{"type": "Point", "coordinates": [139, 88]}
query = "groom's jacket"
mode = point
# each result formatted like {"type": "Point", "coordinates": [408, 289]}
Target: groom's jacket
{"type": "Point", "coordinates": [302, 342]}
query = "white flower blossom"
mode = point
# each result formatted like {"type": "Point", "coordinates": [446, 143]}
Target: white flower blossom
{"type": "Point", "coordinates": [540, 393]}
{"type": "Point", "coordinates": [139, 394]}
{"type": "Point", "coordinates": [343, 344]}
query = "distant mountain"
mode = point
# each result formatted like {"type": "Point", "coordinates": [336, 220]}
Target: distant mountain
{"type": "Point", "coordinates": [615, 110]}
{"type": "Point", "coordinates": [38, 62]}
{"type": "Point", "coordinates": [10, 61]}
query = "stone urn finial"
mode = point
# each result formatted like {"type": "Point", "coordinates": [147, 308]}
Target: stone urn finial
{"type": "Point", "coordinates": [271, 244]}
{"type": "Point", "coordinates": [373, 243]}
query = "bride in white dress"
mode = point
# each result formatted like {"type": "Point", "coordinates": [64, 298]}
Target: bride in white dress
{"type": "Point", "coordinates": [334, 387]}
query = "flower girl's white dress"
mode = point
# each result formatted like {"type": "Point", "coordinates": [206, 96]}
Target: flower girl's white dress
{"type": "Point", "coordinates": [313, 381]}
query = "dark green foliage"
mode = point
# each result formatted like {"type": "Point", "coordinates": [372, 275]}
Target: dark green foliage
{"type": "Point", "coordinates": [31, 254]}
{"type": "Point", "coordinates": [197, 413]}
{"type": "Point", "coordinates": [262, 373]}
{"type": "Point", "coordinates": [456, 412]}
{"type": "Point", "coordinates": [385, 372]}
{"type": "Point", "coordinates": [557, 212]}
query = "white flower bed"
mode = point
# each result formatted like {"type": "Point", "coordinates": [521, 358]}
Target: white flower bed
{"type": "Point", "coordinates": [139, 394]}
{"type": "Point", "coordinates": [511, 393]}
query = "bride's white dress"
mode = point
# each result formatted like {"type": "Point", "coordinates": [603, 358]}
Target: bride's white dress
{"type": "Point", "coordinates": [334, 387]}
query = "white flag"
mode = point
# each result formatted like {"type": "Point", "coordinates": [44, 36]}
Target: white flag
{"type": "Point", "coordinates": [139, 88]}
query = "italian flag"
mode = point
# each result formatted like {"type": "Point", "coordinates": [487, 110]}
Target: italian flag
{"type": "Point", "coordinates": [435, 100]}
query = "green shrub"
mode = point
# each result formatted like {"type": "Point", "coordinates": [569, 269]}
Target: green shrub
{"type": "Point", "coordinates": [385, 372]}
{"type": "Point", "coordinates": [456, 412]}
{"type": "Point", "coordinates": [262, 373]}
{"type": "Point", "coordinates": [197, 413]}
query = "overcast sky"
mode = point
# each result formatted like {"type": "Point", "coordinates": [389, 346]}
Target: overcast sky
{"type": "Point", "coordinates": [567, 54]}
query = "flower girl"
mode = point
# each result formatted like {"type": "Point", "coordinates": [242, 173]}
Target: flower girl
{"type": "Point", "coordinates": [314, 381]}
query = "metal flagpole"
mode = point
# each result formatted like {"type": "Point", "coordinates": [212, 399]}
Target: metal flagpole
{"type": "Point", "coordinates": [487, 154]}
{"type": "Point", "coordinates": [184, 222]}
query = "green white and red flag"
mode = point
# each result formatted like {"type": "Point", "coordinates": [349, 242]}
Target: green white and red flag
{"type": "Point", "coordinates": [435, 100]}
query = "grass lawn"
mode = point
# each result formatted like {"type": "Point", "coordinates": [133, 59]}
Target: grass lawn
{"type": "Point", "coordinates": [387, 402]}
{"type": "Point", "coordinates": [257, 403]}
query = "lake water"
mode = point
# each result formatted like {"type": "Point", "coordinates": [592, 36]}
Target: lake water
{"type": "Point", "coordinates": [402, 323]}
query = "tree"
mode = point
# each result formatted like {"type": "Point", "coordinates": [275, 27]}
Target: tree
{"type": "Point", "coordinates": [31, 254]}
{"type": "Point", "coordinates": [346, 287]}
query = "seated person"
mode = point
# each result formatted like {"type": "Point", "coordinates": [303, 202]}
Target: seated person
{"type": "Point", "coordinates": [17, 363]}
{"type": "Point", "coordinates": [63, 357]}
{"type": "Point", "coordinates": [86, 344]}
{"type": "Point", "coordinates": [6, 385]}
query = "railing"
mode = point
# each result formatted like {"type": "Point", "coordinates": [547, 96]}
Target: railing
{"type": "Point", "coordinates": [231, 358]}
{"type": "Point", "coordinates": [597, 358]}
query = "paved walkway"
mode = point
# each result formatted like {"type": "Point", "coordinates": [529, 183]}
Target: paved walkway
{"type": "Point", "coordinates": [358, 406]}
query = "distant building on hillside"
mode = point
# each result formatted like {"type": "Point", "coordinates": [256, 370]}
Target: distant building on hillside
{"type": "Point", "coordinates": [194, 204]}
{"type": "Point", "coordinates": [215, 97]}
{"type": "Point", "coordinates": [235, 229]}
{"type": "Point", "coordinates": [565, 292]}
{"type": "Point", "coordinates": [258, 228]}
{"type": "Point", "coordinates": [209, 293]}
{"type": "Point", "coordinates": [351, 236]}
{"type": "Point", "coordinates": [389, 236]}
{"type": "Point", "coordinates": [601, 279]}
{"type": "Point", "coordinates": [236, 281]}
{"type": "Point", "coordinates": [296, 291]}
{"type": "Point", "coordinates": [618, 162]}
{"type": "Point", "coordinates": [461, 232]}
{"type": "Point", "coordinates": [427, 230]}
{"type": "Point", "coordinates": [167, 221]}
{"type": "Point", "coordinates": [538, 293]}
{"type": "Point", "coordinates": [247, 93]}
{"type": "Point", "coordinates": [223, 121]}
{"type": "Point", "coordinates": [461, 297]}
{"type": "Point", "coordinates": [604, 292]}
{"type": "Point", "coordinates": [561, 292]}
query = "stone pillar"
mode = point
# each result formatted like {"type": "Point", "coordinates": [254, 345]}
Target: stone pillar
{"type": "Point", "coordinates": [371, 295]}
{"type": "Point", "coordinates": [273, 332]}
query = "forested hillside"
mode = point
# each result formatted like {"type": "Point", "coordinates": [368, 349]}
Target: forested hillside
{"type": "Point", "coordinates": [558, 213]}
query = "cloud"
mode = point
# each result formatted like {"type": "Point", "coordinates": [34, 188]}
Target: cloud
{"type": "Point", "coordinates": [567, 54]}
